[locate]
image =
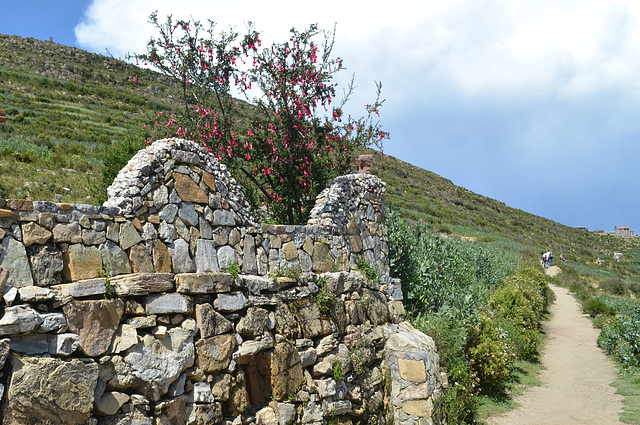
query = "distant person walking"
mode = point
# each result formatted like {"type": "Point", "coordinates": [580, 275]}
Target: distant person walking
{"type": "Point", "coordinates": [546, 259]}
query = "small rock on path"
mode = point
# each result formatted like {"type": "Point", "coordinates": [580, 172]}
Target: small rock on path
{"type": "Point", "coordinates": [577, 376]}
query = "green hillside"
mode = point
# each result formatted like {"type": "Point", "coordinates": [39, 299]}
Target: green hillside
{"type": "Point", "coordinates": [423, 196]}
{"type": "Point", "coordinates": [64, 105]}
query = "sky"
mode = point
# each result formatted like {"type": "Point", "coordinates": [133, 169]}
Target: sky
{"type": "Point", "coordinates": [535, 104]}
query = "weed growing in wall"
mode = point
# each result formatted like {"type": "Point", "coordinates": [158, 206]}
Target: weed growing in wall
{"type": "Point", "coordinates": [337, 372]}
{"type": "Point", "coordinates": [290, 271]}
{"type": "Point", "coordinates": [325, 296]}
{"type": "Point", "coordinates": [233, 268]}
{"type": "Point", "coordinates": [369, 271]}
{"type": "Point", "coordinates": [105, 272]}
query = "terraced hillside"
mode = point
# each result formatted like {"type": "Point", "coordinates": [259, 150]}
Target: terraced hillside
{"type": "Point", "coordinates": [65, 105]}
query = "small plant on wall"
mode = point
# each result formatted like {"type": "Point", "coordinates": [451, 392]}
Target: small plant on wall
{"type": "Point", "coordinates": [325, 296]}
{"type": "Point", "coordinates": [370, 272]}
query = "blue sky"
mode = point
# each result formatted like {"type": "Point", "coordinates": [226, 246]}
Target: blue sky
{"type": "Point", "coordinates": [535, 104]}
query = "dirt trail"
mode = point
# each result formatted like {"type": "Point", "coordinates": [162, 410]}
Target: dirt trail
{"type": "Point", "coordinates": [576, 377]}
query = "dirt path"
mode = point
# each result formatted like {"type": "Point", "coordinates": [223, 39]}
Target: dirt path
{"type": "Point", "coordinates": [576, 377]}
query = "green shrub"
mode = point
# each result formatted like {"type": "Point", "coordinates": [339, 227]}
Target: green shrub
{"type": "Point", "coordinates": [233, 268]}
{"type": "Point", "coordinates": [614, 286]}
{"type": "Point", "coordinates": [114, 158]}
{"type": "Point", "coordinates": [448, 333]}
{"type": "Point", "coordinates": [439, 273]}
{"type": "Point", "coordinates": [291, 271]}
{"type": "Point", "coordinates": [620, 335]}
{"type": "Point", "coordinates": [582, 292]}
{"type": "Point", "coordinates": [490, 357]}
{"type": "Point", "coordinates": [337, 372]}
{"type": "Point", "coordinates": [460, 399]}
{"type": "Point", "coordinates": [541, 281]}
{"type": "Point", "coordinates": [23, 151]}
{"type": "Point", "coordinates": [596, 307]}
{"type": "Point", "coordinates": [519, 306]}
{"type": "Point", "coordinates": [635, 289]}
{"type": "Point", "coordinates": [523, 343]}
{"type": "Point", "coordinates": [518, 303]}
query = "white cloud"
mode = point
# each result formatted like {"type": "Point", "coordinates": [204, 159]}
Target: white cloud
{"type": "Point", "coordinates": [473, 47]}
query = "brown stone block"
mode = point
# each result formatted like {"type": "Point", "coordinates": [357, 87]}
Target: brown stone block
{"type": "Point", "coordinates": [71, 233]}
{"type": "Point", "coordinates": [64, 391]}
{"type": "Point", "coordinates": [214, 354]}
{"type": "Point", "coordinates": [161, 257]}
{"type": "Point", "coordinates": [412, 370]}
{"type": "Point", "coordinates": [19, 204]}
{"type": "Point", "coordinates": [204, 283]}
{"type": "Point", "coordinates": [95, 322]}
{"type": "Point", "coordinates": [322, 259]}
{"type": "Point", "coordinates": [153, 219]}
{"type": "Point", "coordinates": [188, 190]}
{"type": "Point", "coordinates": [356, 243]}
{"type": "Point", "coordinates": [81, 262]}
{"type": "Point", "coordinates": [286, 371]}
{"type": "Point", "coordinates": [210, 322]}
{"type": "Point", "coordinates": [142, 284]}
{"type": "Point", "coordinates": [420, 408]}
{"type": "Point", "coordinates": [140, 259]}
{"type": "Point", "coordinates": [209, 180]}
{"type": "Point", "coordinates": [64, 206]}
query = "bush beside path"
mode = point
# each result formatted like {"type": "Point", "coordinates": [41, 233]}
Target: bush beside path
{"type": "Point", "coordinates": [577, 376]}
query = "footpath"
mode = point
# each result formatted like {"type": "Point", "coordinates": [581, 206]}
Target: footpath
{"type": "Point", "coordinates": [577, 376]}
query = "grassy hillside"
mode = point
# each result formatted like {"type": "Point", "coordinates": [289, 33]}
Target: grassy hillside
{"type": "Point", "coordinates": [421, 195]}
{"type": "Point", "coordinates": [64, 105]}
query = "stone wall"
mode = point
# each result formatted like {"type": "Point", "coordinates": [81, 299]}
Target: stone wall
{"type": "Point", "coordinates": [170, 304]}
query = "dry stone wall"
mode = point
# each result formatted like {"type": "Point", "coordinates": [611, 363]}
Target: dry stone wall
{"type": "Point", "coordinates": [170, 304]}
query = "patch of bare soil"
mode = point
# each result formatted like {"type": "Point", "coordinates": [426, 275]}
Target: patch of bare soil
{"type": "Point", "coordinates": [553, 271]}
{"type": "Point", "coordinates": [577, 376]}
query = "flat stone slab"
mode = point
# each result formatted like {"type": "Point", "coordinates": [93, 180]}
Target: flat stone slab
{"type": "Point", "coordinates": [169, 304]}
{"type": "Point", "coordinates": [141, 284]}
{"type": "Point", "coordinates": [204, 283]}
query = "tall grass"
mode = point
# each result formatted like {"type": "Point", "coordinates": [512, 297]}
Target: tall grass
{"type": "Point", "coordinates": [22, 150]}
{"type": "Point", "coordinates": [444, 274]}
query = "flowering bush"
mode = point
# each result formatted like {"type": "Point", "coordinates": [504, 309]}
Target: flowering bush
{"type": "Point", "coordinates": [299, 139]}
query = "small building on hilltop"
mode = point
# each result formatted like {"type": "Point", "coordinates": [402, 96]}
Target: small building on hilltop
{"type": "Point", "coordinates": [623, 232]}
